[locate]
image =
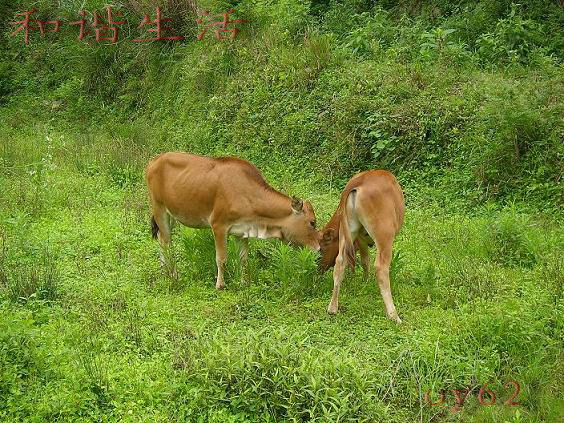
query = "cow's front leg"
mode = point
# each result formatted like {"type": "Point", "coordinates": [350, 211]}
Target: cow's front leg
{"type": "Point", "coordinates": [220, 236]}
{"type": "Point", "coordinates": [244, 256]}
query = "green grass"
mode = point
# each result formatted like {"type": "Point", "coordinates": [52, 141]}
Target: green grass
{"type": "Point", "coordinates": [92, 329]}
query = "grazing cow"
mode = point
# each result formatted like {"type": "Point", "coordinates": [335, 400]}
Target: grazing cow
{"type": "Point", "coordinates": [229, 195]}
{"type": "Point", "coordinates": [371, 208]}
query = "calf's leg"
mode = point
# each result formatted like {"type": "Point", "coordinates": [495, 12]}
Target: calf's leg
{"type": "Point", "coordinates": [220, 236]}
{"type": "Point", "coordinates": [338, 274]}
{"type": "Point", "coordinates": [384, 236]}
{"type": "Point", "coordinates": [380, 221]}
{"type": "Point", "coordinates": [163, 221]}
{"type": "Point", "coordinates": [364, 258]}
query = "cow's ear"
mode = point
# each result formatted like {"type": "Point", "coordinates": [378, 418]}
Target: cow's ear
{"type": "Point", "coordinates": [329, 235]}
{"type": "Point", "coordinates": [297, 204]}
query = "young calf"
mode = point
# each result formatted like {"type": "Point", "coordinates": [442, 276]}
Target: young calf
{"type": "Point", "coordinates": [228, 195]}
{"type": "Point", "coordinates": [371, 208]}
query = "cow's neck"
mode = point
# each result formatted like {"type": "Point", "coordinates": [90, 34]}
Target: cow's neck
{"type": "Point", "coordinates": [273, 207]}
{"type": "Point", "coordinates": [274, 212]}
{"type": "Point", "coordinates": [271, 211]}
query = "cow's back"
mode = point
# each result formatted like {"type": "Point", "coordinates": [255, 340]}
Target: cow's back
{"type": "Point", "coordinates": [382, 190]}
{"type": "Point", "coordinates": [184, 184]}
{"type": "Point", "coordinates": [193, 187]}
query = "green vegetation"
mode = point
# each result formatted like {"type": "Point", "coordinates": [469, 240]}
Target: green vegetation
{"type": "Point", "coordinates": [462, 100]}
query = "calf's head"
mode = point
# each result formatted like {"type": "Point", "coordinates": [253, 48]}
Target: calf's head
{"type": "Point", "coordinates": [300, 225]}
{"type": "Point", "coordinates": [329, 248]}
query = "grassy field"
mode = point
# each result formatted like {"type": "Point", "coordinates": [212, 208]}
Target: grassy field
{"type": "Point", "coordinates": [461, 100]}
{"type": "Point", "coordinates": [91, 328]}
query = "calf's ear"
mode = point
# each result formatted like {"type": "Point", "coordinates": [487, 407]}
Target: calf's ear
{"type": "Point", "coordinates": [297, 204]}
{"type": "Point", "coordinates": [329, 235]}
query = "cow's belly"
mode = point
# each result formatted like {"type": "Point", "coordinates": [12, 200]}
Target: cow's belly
{"type": "Point", "coordinates": [192, 221]}
{"type": "Point", "coordinates": [252, 230]}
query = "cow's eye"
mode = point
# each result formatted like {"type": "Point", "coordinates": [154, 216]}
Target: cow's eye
{"type": "Point", "coordinates": [312, 223]}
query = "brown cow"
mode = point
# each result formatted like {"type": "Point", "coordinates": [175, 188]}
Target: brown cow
{"type": "Point", "coordinates": [371, 208]}
{"type": "Point", "coordinates": [230, 196]}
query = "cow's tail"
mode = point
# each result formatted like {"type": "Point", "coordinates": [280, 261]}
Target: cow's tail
{"type": "Point", "coordinates": [154, 227]}
{"type": "Point", "coordinates": [346, 234]}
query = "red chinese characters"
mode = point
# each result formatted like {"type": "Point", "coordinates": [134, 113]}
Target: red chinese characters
{"type": "Point", "coordinates": [106, 28]}
{"type": "Point", "coordinates": [223, 25]}
{"type": "Point", "coordinates": [159, 28]}
{"type": "Point", "coordinates": [82, 24]}
{"type": "Point", "coordinates": [25, 25]}
{"type": "Point", "coordinates": [102, 30]}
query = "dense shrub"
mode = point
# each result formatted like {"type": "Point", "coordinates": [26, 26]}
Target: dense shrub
{"type": "Point", "coordinates": [344, 87]}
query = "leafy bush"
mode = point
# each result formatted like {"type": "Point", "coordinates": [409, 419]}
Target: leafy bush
{"type": "Point", "coordinates": [260, 374]}
{"type": "Point", "coordinates": [514, 40]}
{"type": "Point", "coordinates": [18, 354]}
{"type": "Point", "coordinates": [436, 39]}
{"type": "Point", "coordinates": [509, 243]}
{"type": "Point", "coordinates": [40, 280]}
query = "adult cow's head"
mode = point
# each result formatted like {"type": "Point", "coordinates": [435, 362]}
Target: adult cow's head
{"type": "Point", "coordinates": [300, 226]}
{"type": "Point", "coordinates": [329, 248]}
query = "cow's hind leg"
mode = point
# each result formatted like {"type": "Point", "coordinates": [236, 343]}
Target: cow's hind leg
{"type": "Point", "coordinates": [163, 230]}
{"type": "Point", "coordinates": [341, 261]}
{"type": "Point", "coordinates": [384, 235]}
{"type": "Point", "coordinates": [383, 261]}
{"type": "Point", "coordinates": [338, 274]}
{"type": "Point", "coordinates": [220, 236]}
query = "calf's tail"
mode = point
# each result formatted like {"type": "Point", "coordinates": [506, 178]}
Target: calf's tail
{"type": "Point", "coordinates": [154, 227]}
{"type": "Point", "coordinates": [346, 234]}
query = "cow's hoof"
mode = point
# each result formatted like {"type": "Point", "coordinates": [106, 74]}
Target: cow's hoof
{"type": "Point", "coordinates": [220, 287]}
{"type": "Point", "coordinates": [396, 319]}
{"type": "Point", "coordinates": [332, 310]}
